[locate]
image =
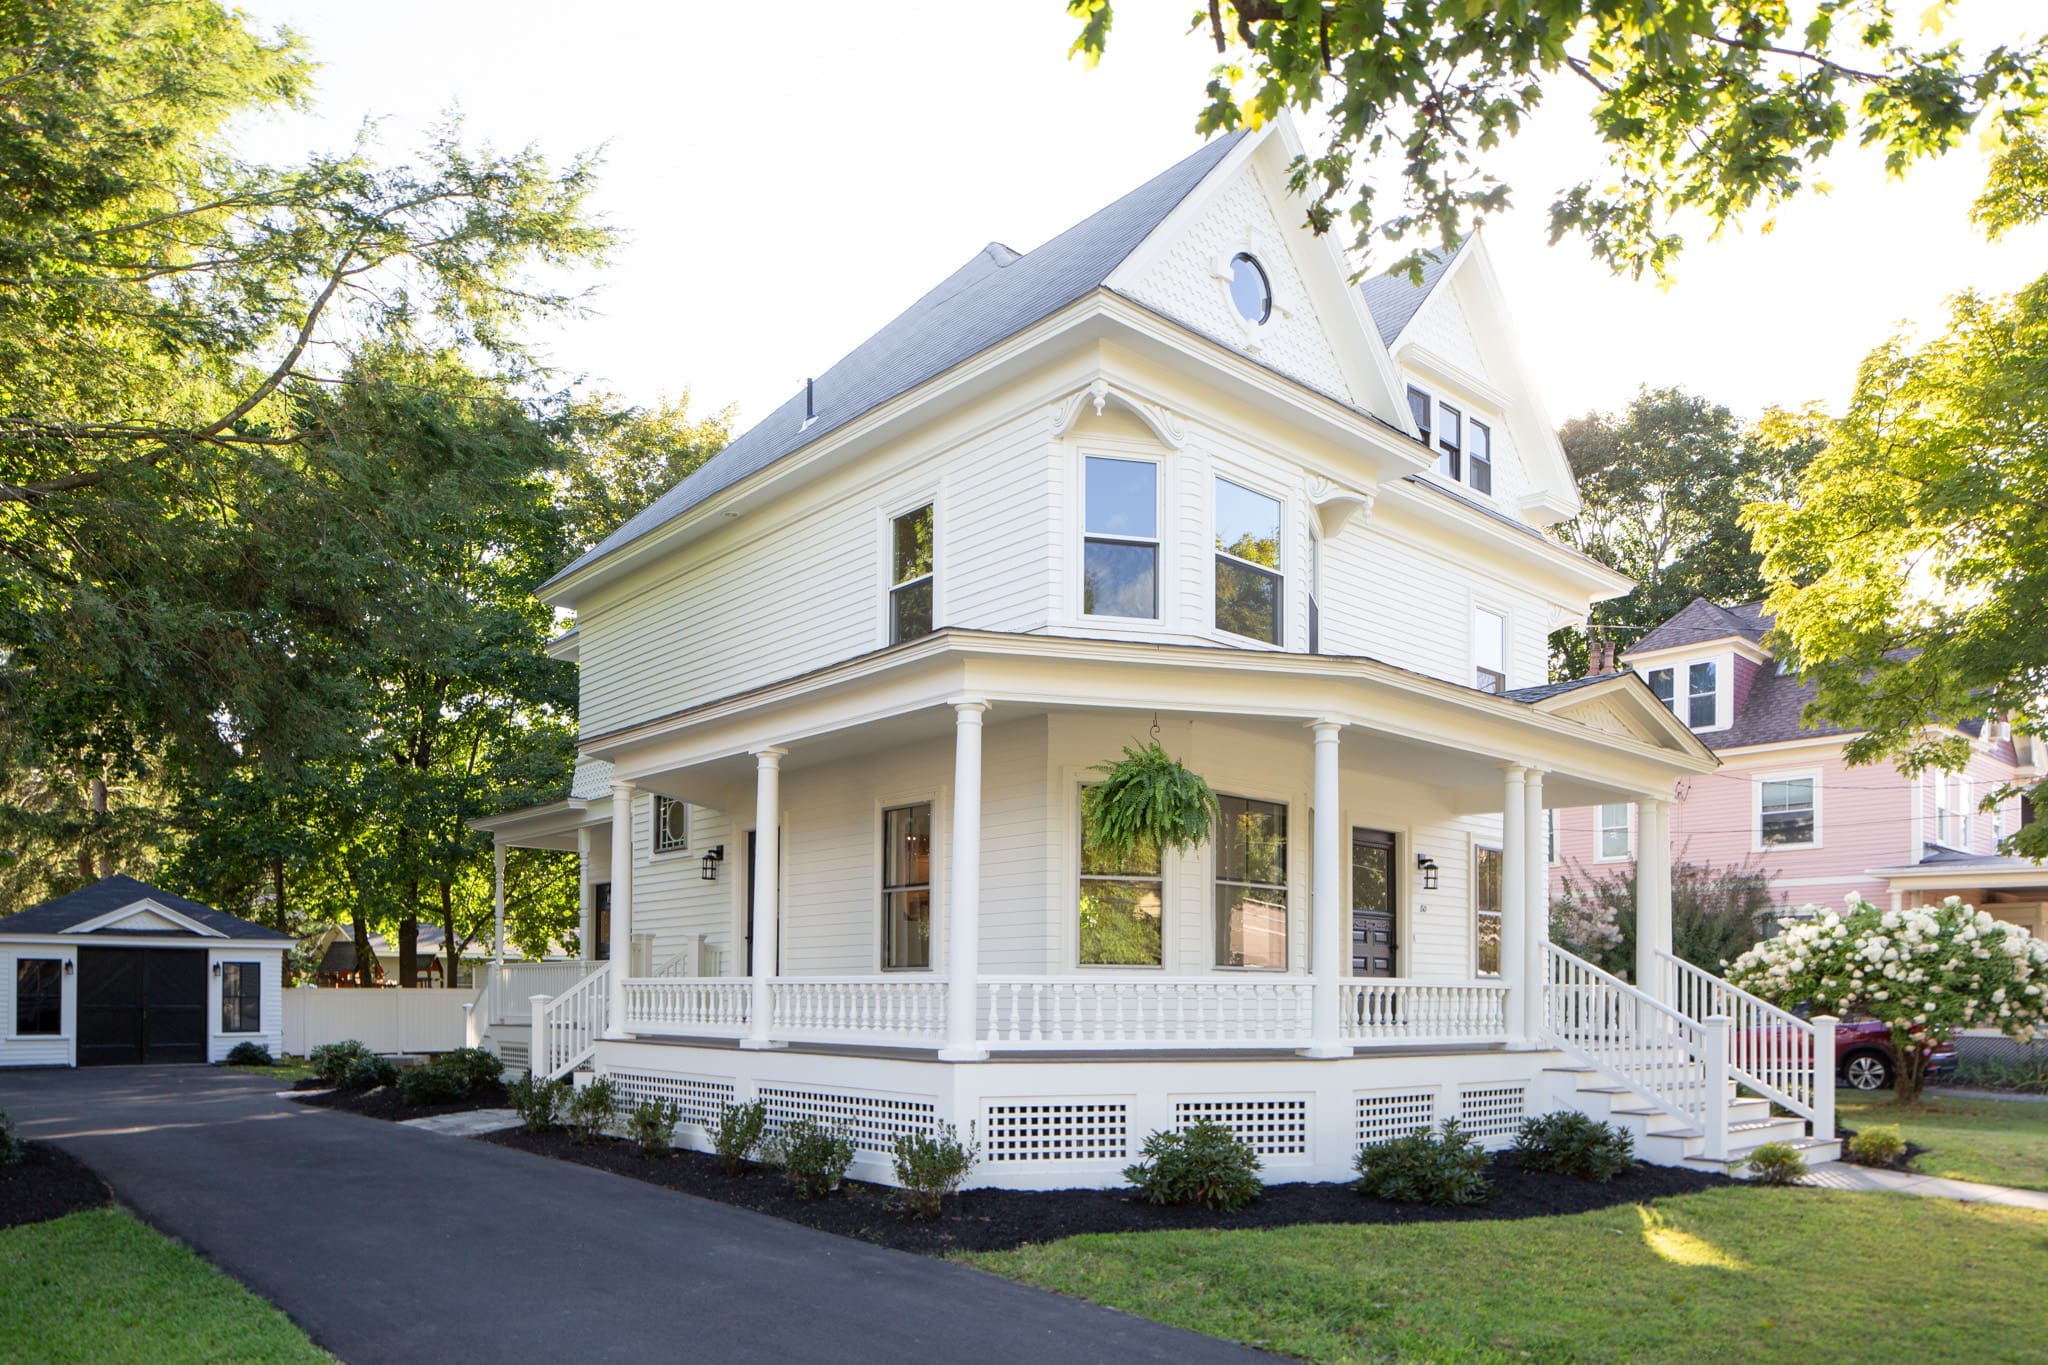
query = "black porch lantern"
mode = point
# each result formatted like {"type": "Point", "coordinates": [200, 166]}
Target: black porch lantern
{"type": "Point", "coordinates": [1428, 866]}
{"type": "Point", "coordinates": [712, 858]}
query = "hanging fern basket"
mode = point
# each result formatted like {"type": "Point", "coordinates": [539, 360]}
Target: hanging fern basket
{"type": "Point", "coordinates": [1147, 799]}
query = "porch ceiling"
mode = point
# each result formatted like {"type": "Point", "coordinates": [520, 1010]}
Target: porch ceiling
{"type": "Point", "coordinates": [551, 826]}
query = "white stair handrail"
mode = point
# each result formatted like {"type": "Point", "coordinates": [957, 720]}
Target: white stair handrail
{"type": "Point", "coordinates": [566, 1027]}
{"type": "Point", "coordinates": [1770, 1050]}
{"type": "Point", "coordinates": [1635, 1039]}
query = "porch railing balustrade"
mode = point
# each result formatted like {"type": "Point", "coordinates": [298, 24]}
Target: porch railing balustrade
{"type": "Point", "coordinates": [1393, 1011]}
{"type": "Point", "coordinates": [700, 1006]}
{"type": "Point", "coordinates": [1023, 1013]}
{"type": "Point", "coordinates": [879, 1009]}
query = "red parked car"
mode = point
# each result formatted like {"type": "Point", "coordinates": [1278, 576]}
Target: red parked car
{"type": "Point", "coordinates": [1866, 1060]}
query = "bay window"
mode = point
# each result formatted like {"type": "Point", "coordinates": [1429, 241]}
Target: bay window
{"type": "Point", "coordinates": [1251, 883]}
{"type": "Point", "coordinates": [907, 887]}
{"type": "Point", "coordinates": [911, 575]}
{"type": "Point", "coordinates": [1120, 543]}
{"type": "Point", "coordinates": [1248, 584]}
{"type": "Point", "coordinates": [1120, 905]}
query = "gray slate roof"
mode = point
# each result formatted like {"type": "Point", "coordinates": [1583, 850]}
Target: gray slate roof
{"type": "Point", "coordinates": [116, 892]}
{"type": "Point", "coordinates": [1770, 713]}
{"type": "Point", "coordinates": [1393, 299]}
{"type": "Point", "coordinates": [1702, 621]}
{"type": "Point", "coordinates": [1544, 691]}
{"type": "Point", "coordinates": [995, 295]}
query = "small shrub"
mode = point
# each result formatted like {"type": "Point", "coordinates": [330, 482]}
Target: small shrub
{"type": "Point", "coordinates": [1425, 1168]}
{"type": "Point", "coordinates": [539, 1103]}
{"type": "Point", "coordinates": [250, 1054]}
{"type": "Point", "coordinates": [592, 1108]}
{"type": "Point", "coordinates": [1776, 1163]}
{"type": "Point", "coordinates": [479, 1067]}
{"type": "Point", "coordinates": [332, 1060]}
{"type": "Point", "coordinates": [1571, 1143]}
{"type": "Point", "coordinates": [813, 1157]}
{"type": "Point", "coordinates": [737, 1133]}
{"type": "Point", "coordinates": [12, 1148]}
{"type": "Point", "coordinates": [433, 1084]}
{"type": "Point", "coordinates": [1204, 1165]}
{"type": "Point", "coordinates": [1881, 1144]}
{"type": "Point", "coordinates": [653, 1125]}
{"type": "Point", "coordinates": [932, 1166]}
{"type": "Point", "coordinates": [367, 1073]}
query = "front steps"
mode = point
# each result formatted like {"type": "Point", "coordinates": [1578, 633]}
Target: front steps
{"type": "Point", "coordinates": [1663, 1139]}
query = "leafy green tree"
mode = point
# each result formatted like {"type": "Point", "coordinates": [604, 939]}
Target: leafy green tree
{"type": "Point", "coordinates": [1663, 483]}
{"type": "Point", "coordinates": [623, 458]}
{"type": "Point", "coordinates": [1718, 109]}
{"type": "Point", "coordinates": [1909, 571]}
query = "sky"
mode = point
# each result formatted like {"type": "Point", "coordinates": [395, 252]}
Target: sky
{"type": "Point", "coordinates": [789, 177]}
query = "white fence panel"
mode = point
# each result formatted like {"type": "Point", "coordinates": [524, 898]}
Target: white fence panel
{"type": "Point", "coordinates": [384, 1020]}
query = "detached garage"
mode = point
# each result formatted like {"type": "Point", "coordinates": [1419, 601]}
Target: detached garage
{"type": "Point", "coordinates": [121, 973]}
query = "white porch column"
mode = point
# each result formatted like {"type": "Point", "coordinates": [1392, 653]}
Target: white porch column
{"type": "Point", "coordinates": [1535, 899]}
{"type": "Point", "coordinates": [1653, 897]}
{"type": "Point", "coordinates": [622, 900]}
{"type": "Point", "coordinates": [1326, 939]}
{"type": "Point", "coordinates": [767, 893]}
{"type": "Point", "coordinates": [586, 894]}
{"type": "Point", "coordinates": [1514, 896]}
{"type": "Point", "coordinates": [497, 903]}
{"type": "Point", "coordinates": [963, 898]}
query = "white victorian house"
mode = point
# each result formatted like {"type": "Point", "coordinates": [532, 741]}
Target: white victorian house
{"type": "Point", "coordinates": [1170, 473]}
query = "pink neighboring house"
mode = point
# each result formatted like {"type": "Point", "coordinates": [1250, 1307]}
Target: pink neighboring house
{"type": "Point", "coordinates": [1785, 800]}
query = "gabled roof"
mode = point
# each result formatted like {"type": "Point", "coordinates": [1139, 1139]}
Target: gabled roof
{"type": "Point", "coordinates": [1701, 621]}
{"type": "Point", "coordinates": [1393, 299]}
{"type": "Point", "coordinates": [112, 894]}
{"type": "Point", "coordinates": [995, 295]}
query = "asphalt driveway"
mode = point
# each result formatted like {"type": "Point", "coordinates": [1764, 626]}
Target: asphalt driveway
{"type": "Point", "coordinates": [389, 1244]}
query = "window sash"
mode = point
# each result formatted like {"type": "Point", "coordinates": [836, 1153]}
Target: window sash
{"type": "Point", "coordinates": [910, 610]}
{"type": "Point", "coordinates": [1119, 907]}
{"type": "Point", "coordinates": [1257, 603]}
{"type": "Point", "coordinates": [1489, 650]}
{"type": "Point", "coordinates": [1662, 682]}
{"type": "Point", "coordinates": [1251, 884]}
{"type": "Point", "coordinates": [1700, 694]}
{"type": "Point", "coordinates": [1099, 513]}
{"type": "Point", "coordinates": [1613, 832]}
{"type": "Point", "coordinates": [1786, 811]}
{"type": "Point", "coordinates": [1149, 576]}
{"type": "Point", "coordinates": [1479, 468]}
{"type": "Point", "coordinates": [241, 997]}
{"type": "Point", "coordinates": [907, 887]}
{"type": "Point", "coordinates": [1449, 441]}
{"type": "Point", "coordinates": [671, 825]}
{"type": "Point", "coordinates": [1418, 408]}
{"type": "Point", "coordinates": [1487, 868]}
{"type": "Point", "coordinates": [38, 997]}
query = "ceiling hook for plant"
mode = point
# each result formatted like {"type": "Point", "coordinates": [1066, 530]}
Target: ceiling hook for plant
{"type": "Point", "coordinates": [1155, 727]}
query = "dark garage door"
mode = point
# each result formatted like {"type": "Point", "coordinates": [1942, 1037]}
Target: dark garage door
{"type": "Point", "coordinates": [141, 1005]}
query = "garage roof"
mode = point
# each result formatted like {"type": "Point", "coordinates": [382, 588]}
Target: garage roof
{"type": "Point", "coordinates": [110, 895]}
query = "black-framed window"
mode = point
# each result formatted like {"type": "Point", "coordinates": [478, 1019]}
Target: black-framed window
{"type": "Point", "coordinates": [1120, 541]}
{"type": "Point", "coordinates": [1450, 443]}
{"type": "Point", "coordinates": [907, 887]}
{"type": "Point", "coordinates": [1479, 457]}
{"type": "Point", "coordinates": [1120, 905]}
{"type": "Point", "coordinates": [1251, 883]}
{"type": "Point", "coordinates": [1418, 408]}
{"type": "Point", "coordinates": [1699, 694]}
{"type": "Point", "coordinates": [1486, 876]}
{"type": "Point", "coordinates": [241, 997]}
{"type": "Point", "coordinates": [1248, 583]}
{"type": "Point", "coordinates": [911, 575]}
{"type": "Point", "coordinates": [38, 996]}
{"type": "Point", "coordinates": [671, 825]}
{"type": "Point", "coordinates": [1489, 650]}
{"type": "Point", "coordinates": [1661, 684]}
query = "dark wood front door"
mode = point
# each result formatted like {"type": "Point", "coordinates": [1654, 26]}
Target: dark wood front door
{"type": "Point", "coordinates": [141, 1005]}
{"type": "Point", "coordinates": [1373, 949]}
{"type": "Point", "coordinates": [601, 921]}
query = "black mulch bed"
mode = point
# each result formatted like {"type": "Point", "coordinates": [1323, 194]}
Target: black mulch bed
{"type": "Point", "coordinates": [997, 1220]}
{"type": "Point", "coordinates": [385, 1102]}
{"type": "Point", "coordinates": [48, 1183]}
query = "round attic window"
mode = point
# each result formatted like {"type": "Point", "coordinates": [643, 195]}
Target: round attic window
{"type": "Point", "coordinates": [1249, 289]}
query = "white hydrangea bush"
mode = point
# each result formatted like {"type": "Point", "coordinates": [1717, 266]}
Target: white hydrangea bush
{"type": "Point", "coordinates": [1928, 973]}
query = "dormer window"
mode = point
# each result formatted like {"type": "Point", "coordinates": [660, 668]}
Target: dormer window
{"type": "Point", "coordinates": [1249, 288]}
{"type": "Point", "coordinates": [1480, 458]}
{"type": "Point", "coordinates": [1660, 681]}
{"type": "Point", "coordinates": [1450, 443]}
{"type": "Point", "coordinates": [1700, 694]}
{"type": "Point", "coordinates": [1418, 408]}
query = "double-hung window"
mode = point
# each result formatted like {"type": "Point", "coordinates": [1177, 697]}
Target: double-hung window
{"type": "Point", "coordinates": [671, 825]}
{"type": "Point", "coordinates": [907, 887]}
{"type": "Point", "coordinates": [1613, 831]}
{"type": "Point", "coordinates": [1661, 683]}
{"type": "Point", "coordinates": [1120, 903]}
{"type": "Point", "coordinates": [1248, 583]}
{"type": "Point", "coordinates": [1418, 408]}
{"type": "Point", "coordinates": [1486, 874]}
{"type": "Point", "coordinates": [1251, 883]}
{"type": "Point", "coordinates": [1479, 458]}
{"type": "Point", "coordinates": [910, 576]}
{"type": "Point", "coordinates": [1700, 695]}
{"type": "Point", "coordinates": [38, 996]}
{"type": "Point", "coordinates": [1450, 443]}
{"type": "Point", "coordinates": [1120, 544]}
{"type": "Point", "coordinates": [241, 997]}
{"type": "Point", "coordinates": [1786, 812]}
{"type": "Point", "coordinates": [1489, 650]}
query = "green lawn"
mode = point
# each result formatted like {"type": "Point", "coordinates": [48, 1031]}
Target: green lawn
{"type": "Point", "coordinates": [1743, 1274]}
{"type": "Point", "coordinates": [101, 1287]}
{"type": "Point", "coordinates": [1999, 1142]}
{"type": "Point", "coordinates": [284, 1071]}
